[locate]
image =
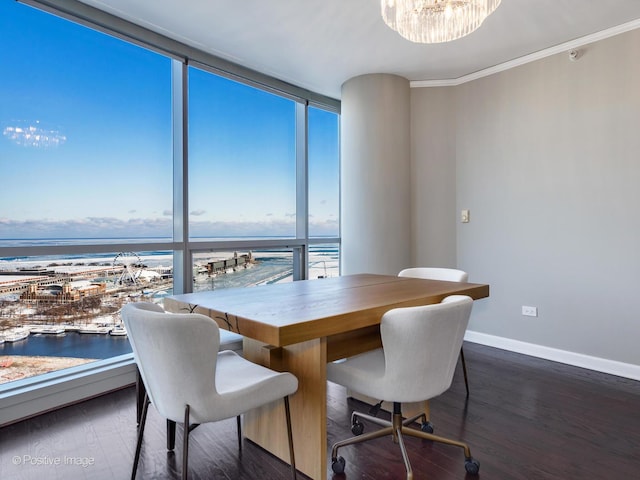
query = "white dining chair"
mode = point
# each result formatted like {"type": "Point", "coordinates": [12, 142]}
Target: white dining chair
{"type": "Point", "coordinates": [416, 362]}
{"type": "Point", "coordinates": [448, 275]}
{"type": "Point", "coordinates": [228, 341]}
{"type": "Point", "coordinates": [189, 381]}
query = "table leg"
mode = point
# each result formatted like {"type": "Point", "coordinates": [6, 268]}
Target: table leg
{"type": "Point", "coordinates": [266, 426]}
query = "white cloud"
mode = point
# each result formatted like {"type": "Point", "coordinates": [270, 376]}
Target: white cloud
{"type": "Point", "coordinates": [34, 134]}
{"type": "Point", "coordinates": [110, 227]}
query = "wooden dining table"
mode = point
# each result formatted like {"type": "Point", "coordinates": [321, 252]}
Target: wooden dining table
{"type": "Point", "coordinates": [299, 327]}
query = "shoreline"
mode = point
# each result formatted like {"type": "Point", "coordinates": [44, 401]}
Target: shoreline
{"type": "Point", "coordinates": [18, 367]}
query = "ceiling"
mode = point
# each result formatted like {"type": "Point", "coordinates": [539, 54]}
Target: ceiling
{"type": "Point", "coordinates": [319, 44]}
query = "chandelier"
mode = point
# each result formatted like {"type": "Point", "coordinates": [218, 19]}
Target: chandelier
{"type": "Point", "coordinates": [436, 21]}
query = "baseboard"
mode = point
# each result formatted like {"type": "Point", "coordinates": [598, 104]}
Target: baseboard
{"type": "Point", "coordinates": [597, 364]}
{"type": "Point", "coordinates": [26, 398]}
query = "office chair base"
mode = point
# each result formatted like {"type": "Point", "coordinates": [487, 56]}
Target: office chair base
{"type": "Point", "coordinates": [398, 429]}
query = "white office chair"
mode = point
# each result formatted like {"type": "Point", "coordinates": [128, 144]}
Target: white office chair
{"type": "Point", "coordinates": [448, 275]}
{"type": "Point", "coordinates": [416, 362]}
{"type": "Point", "coordinates": [189, 381]}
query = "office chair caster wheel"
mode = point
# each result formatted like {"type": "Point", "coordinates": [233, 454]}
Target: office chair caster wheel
{"type": "Point", "coordinates": [426, 427]}
{"type": "Point", "coordinates": [472, 466]}
{"type": "Point", "coordinates": [357, 428]}
{"type": "Point", "coordinates": [337, 465]}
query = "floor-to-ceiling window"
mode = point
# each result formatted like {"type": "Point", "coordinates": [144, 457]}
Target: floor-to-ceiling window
{"type": "Point", "coordinates": [242, 181]}
{"type": "Point", "coordinates": [90, 201]}
{"type": "Point", "coordinates": [85, 168]}
{"type": "Point", "coordinates": [324, 192]}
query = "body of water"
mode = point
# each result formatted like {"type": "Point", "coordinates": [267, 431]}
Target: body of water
{"type": "Point", "coordinates": [70, 344]}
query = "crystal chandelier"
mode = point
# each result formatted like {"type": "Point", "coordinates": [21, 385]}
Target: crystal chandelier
{"type": "Point", "coordinates": [436, 21]}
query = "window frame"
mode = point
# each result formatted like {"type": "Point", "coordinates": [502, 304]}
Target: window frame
{"type": "Point", "coordinates": [28, 397]}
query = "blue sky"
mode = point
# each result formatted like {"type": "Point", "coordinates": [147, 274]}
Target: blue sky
{"type": "Point", "coordinates": [102, 164]}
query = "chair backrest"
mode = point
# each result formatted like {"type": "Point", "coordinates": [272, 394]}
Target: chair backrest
{"type": "Point", "coordinates": [176, 355]}
{"type": "Point", "coordinates": [421, 347]}
{"type": "Point", "coordinates": [436, 273]}
{"type": "Point", "coordinates": [152, 307]}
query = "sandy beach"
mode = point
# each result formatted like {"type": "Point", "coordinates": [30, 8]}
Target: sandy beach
{"type": "Point", "coordinates": [17, 367]}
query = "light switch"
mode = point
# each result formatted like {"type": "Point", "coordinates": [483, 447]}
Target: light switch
{"type": "Point", "coordinates": [464, 216]}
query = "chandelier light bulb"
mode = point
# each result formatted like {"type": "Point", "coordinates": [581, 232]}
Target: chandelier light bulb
{"type": "Point", "coordinates": [448, 11]}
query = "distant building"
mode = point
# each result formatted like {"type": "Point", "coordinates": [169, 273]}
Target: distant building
{"type": "Point", "coordinates": [220, 266]}
{"type": "Point", "coordinates": [62, 294]}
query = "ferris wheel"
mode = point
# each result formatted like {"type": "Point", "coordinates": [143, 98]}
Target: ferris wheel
{"type": "Point", "coordinates": [127, 267]}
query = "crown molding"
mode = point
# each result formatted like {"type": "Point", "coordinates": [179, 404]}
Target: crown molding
{"type": "Point", "coordinates": [563, 47]}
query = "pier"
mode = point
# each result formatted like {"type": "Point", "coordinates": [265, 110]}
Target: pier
{"type": "Point", "coordinates": [223, 266]}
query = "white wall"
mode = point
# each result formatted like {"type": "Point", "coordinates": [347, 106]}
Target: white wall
{"type": "Point", "coordinates": [433, 177]}
{"type": "Point", "coordinates": [375, 192]}
{"type": "Point", "coordinates": [547, 158]}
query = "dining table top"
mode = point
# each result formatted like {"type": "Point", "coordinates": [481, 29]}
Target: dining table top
{"type": "Point", "coordinates": [293, 312]}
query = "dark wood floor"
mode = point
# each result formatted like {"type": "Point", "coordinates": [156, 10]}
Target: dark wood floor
{"type": "Point", "coordinates": [525, 419]}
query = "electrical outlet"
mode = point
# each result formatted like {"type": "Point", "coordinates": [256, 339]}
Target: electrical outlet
{"type": "Point", "coordinates": [529, 311]}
